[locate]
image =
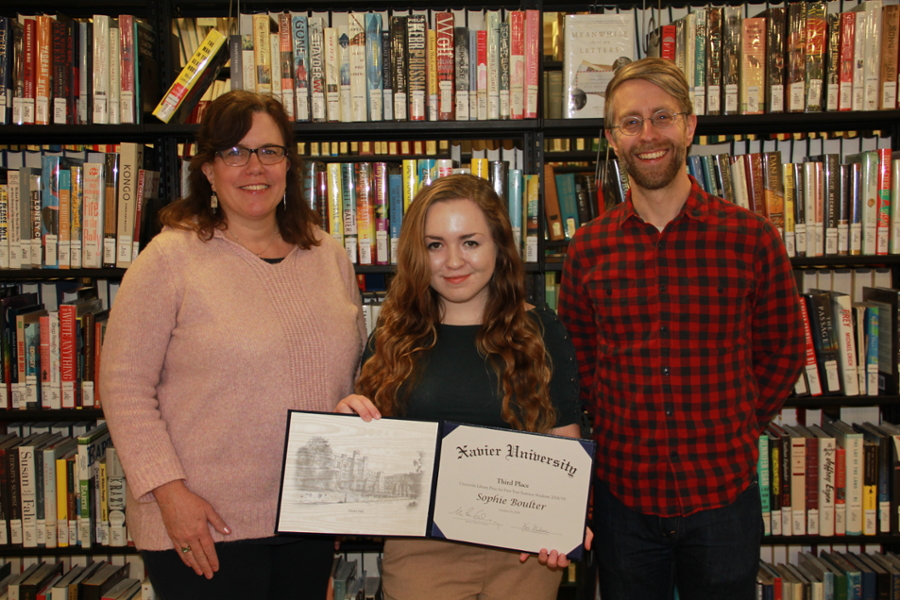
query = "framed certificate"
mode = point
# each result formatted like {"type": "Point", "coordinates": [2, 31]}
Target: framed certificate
{"type": "Point", "coordinates": [390, 477]}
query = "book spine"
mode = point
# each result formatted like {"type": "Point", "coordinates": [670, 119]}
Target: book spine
{"type": "Point", "coordinates": [859, 71]}
{"type": "Point", "coordinates": [285, 61]}
{"type": "Point", "coordinates": [699, 66]}
{"type": "Point", "coordinates": [374, 67]}
{"type": "Point", "coordinates": [5, 68]}
{"type": "Point", "coordinates": [29, 73]}
{"type": "Point", "coordinates": [516, 19]}
{"type": "Point", "coordinates": [132, 158]}
{"type": "Point", "coordinates": [399, 61]}
{"type": "Point", "coordinates": [27, 490]}
{"type": "Point", "coordinates": [395, 190]}
{"type": "Point", "coordinates": [101, 69]}
{"type": "Point", "coordinates": [812, 371]}
{"type": "Point", "coordinates": [129, 56]}
{"type": "Point", "coordinates": [108, 211]}
{"type": "Point", "coordinates": [883, 224]}
{"type": "Point", "coordinates": [189, 76]}
{"type": "Point", "coordinates": [796, 71]}
{"type": "Point", "coordinates": [335, 203]}
{"type": "Point", "coordinates": [43, 90]}
{"type": "Point", "coordinates": [714, 61]}
{"type": "Point", "coordinates": [116, 499]}
{"type": "Point", "coordinates": [75, 217]}
{"type": "Point", "coordinates": [416, 46]}
{"type": "Point", "coordinates": [815, 55]}
{"type": "Point", "coordinates": [848, 39]}
{"type": "Point", "coordinates": [731, 58]}
{"type": "Point", "coordinates": [753, 60]}
{"type": "Point", "coordinates": [832, 62]}
{"type": "Point", "coordinates": [503, 75]}
{"type": "Point", "coordinates": [359, 104]}
{"type": "Point", "coordinates": [68, 355]}
{"type": "Point", "coordinates": [262, 54]}
{"type": "Point", "coordinates": [333, 74]}
{"type": "Point", "coordinates": [532, 61]}
{"type": "Point", "coordinates": [382, 206]}
{"type": "Point", "coordinates": [775, 59]}
{"type": "Point", "coordinates": [365, 212]}
{"type": "Point", "coordinates": [462, 60]}
{"type": "Point", "coordinates": [446, 69]}
{"type": "Point", "coordinates": [387, 70]}
{"type": "Point", "coordinates": [301, 66]}
{"type": "Point", "coordinates": [317, 69]}
{"type": "Point", "coordinates": [431, 91]}
{"type": "Point", "coordinates": [798, 485]}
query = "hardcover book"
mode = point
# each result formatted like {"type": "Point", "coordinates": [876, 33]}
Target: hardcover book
{"type": "Point", "coordinates": [587, 39]}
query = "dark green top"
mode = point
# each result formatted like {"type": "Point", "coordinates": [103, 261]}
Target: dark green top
{"type": "Point", "coordinates": [457, 384]}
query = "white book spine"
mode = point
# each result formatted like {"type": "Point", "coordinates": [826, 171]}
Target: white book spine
{"type": "Point", "coordinates": [100, 70]}
{"type": "Point", "coordinates": [826, 486]}
{"type": "Point", "coordinates": [115, 76]}
{"type": "Point", "coordinates": [359, 107]}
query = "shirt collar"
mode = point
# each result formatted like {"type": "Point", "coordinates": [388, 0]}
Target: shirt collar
{"type": "Point", "coordinates": [696, 207]}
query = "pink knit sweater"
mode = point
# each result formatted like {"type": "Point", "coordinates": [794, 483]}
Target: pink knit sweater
{"type": "Point", "coordinates": [206, 349]}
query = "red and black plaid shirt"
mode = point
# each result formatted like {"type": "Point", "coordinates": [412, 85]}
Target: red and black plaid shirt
{"type": "Point", "coordinates": [688, 342]}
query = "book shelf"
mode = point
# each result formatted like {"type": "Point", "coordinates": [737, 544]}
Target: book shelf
{"type": "Point", "coordinates": [528, 134]}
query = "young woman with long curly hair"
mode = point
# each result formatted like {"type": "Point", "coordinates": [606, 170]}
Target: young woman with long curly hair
{"type": "Point", "coordinates": [457, 341]}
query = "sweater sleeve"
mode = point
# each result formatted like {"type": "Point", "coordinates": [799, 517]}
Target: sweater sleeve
{"type": "Point", "coordinates": [137, 336]}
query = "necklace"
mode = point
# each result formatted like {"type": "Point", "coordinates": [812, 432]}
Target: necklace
{"type": "Point", "coordinates": [238, 240]}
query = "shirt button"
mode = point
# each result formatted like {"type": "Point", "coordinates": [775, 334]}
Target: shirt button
{"type": "Point", "coordinates": [662, 246]}
{"type": "Point", "coordinates": [669, 413]}
{"type": "Point", "coordinates": [674, 454]}
{"type": "Point", "coordinates": [662, 287]}
{"type": "Point", "coordinates": [664, 329]}
{"type": "Point", "coordinates": [665, 370]}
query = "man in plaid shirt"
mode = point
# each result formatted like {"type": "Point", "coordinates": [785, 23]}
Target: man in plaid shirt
{"type": "Point", "coordinates": [686, 320]}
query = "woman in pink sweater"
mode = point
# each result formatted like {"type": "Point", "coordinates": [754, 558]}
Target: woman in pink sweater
{"type": "Point", "coordinates": [241, 309]}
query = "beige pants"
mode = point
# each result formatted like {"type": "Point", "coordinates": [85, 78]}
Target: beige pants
{"type": "Point", "coordinates": [413, 569]}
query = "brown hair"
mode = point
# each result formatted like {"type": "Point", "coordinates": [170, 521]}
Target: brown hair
{"type": "Point", "coordinates": [658, 71]}
{"type": "Point", "coordinates": [508, 337]}
{"type": "Point", "coordinates": [226, 122]}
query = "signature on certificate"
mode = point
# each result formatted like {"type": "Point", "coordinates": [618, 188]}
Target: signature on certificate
{"type": "Point", "coordinates": [534, 528]}
{"type": "Point", "coordinates": [473, 514]}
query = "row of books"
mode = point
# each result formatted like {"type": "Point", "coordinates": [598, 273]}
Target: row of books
{"type": "Point", "coordinates": [830, 480]}
{"type": "Point", "coordinates": [57, 70]}
{"type": "Point", "coordinates": [362, 204]}
{"type": "Point", "coordinates": [59, 491]}
{"type": "Point", "coordinates": [51, 355]}
{"type": "Point", "coordinates": [800, 56]}
{"type": "Point", "coordinates": [357, 67]}
{"type": "Point", "coordinates": [823, 206]}
{"type": "Point", "coordinates": [831, 575]}
{"type": "Point", "coordinates": [74, 209]}
{"type": "Point", "coordinates": [51, 580]}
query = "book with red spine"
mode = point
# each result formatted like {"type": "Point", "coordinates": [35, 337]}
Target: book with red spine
{"type": "Point", "coordinates": [516, 64]}
{"type": "Point", "coordinates": [127, 107]}
{"type": "Point", "coordinates": [29, 70]}
{"type": "Point", "coordinates": [848, 40]}
{"type": "Point", "coordinates": [532, 61]}
{"type": "Point", "coordinates": [446, 67]}
{"type": "Point", "coordinates": [812, 369]}
{"type": "Point", "coordinates": [44, 54]}
{"type": "Point", "coordinates": [883, 226]}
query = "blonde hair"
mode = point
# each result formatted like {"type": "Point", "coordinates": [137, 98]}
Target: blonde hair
{"type": "Point", "coordinates": [658, 71]}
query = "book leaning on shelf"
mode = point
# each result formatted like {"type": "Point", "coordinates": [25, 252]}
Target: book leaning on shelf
{"type": "Point", "coordinates": [193, 80]}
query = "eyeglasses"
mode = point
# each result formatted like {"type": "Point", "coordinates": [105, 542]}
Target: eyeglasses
{"type": "Point", "coordinates": [661, 119]}
{"type": "Point", "coordinates": [238, 156]}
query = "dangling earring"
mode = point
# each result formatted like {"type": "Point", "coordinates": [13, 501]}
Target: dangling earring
{"type": "Point", "coordinates": [284, 200]}
{"type": "Point", "coordinates": [214, 201]}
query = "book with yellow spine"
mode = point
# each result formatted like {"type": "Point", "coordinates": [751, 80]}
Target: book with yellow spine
{"type": "Point", "coordinates": [197, 75]}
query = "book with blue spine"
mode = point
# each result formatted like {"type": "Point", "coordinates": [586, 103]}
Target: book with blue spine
{"type": "Point", "coordinates": [568, 202]}
{"type": "Point", "coordinates": [514, 201]}
{"type": "Point", "coordinates": [395, 193]}
{"type": "Point", "coordinates": [374, 67]}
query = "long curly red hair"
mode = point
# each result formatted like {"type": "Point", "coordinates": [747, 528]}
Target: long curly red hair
{"type": "Point", "coordinates": [510, 340]}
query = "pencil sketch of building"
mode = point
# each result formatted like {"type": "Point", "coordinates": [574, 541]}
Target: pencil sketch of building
{"type": "Point", "coordinates": [324, 476]}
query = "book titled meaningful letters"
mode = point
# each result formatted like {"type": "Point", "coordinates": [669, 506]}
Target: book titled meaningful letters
{"type": "Point", "coordinates": [467, 483]}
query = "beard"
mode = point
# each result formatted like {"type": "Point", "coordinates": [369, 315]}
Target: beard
{"type": "Point", "coordinates": [657, 176]}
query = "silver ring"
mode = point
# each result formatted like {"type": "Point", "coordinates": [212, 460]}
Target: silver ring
{"type": "Point", "coordinates": [185, 549]}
